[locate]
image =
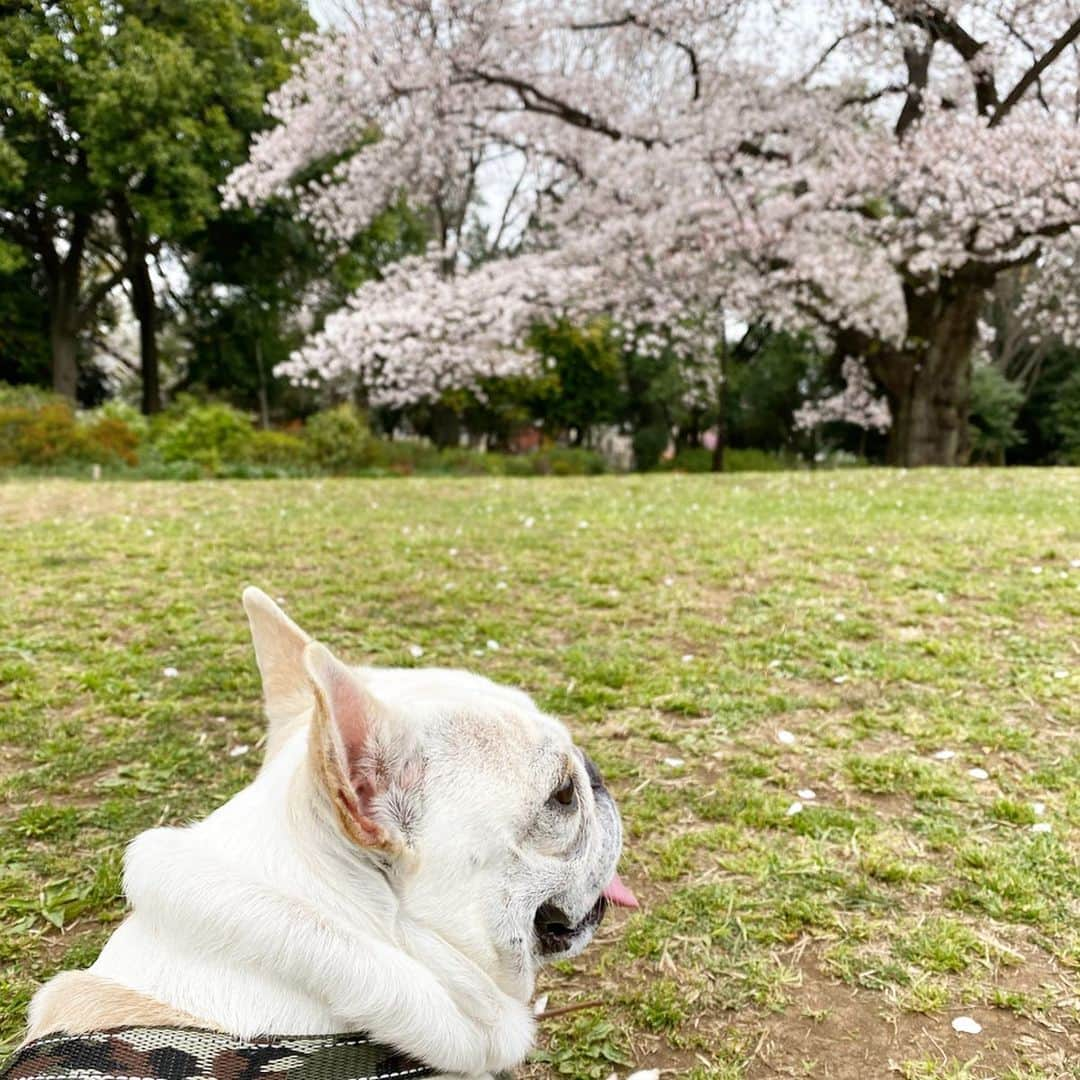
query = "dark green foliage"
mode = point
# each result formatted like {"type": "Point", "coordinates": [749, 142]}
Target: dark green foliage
{"type": "Point", "coordinates": [119, 124]}
{"type": "Point", "coordinates": [267, 260]}
{"type": "Point", "coordinates": [995, 406]}
{"type": "Point", "coordinates": [24, 341]}
{"type": "Point", "coordinates": [1064, 419]}
{"type": "Point", "coordinates": [1049, 435]}
{"type": "Point", "coordinates": [583, 380]}
{"type": "Point", "coordinates": [767, 383]}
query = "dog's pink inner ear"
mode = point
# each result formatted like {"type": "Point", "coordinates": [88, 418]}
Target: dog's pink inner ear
{"type": "Point", "coordinates": [344, 744]}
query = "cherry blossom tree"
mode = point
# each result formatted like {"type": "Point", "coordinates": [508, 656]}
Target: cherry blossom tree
{"type": "Point", "coordinates": [865, 169]}
{"type": "Point", "coordinates": [856, 404]}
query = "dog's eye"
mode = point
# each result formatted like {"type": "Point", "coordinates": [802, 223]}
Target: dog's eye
{"type": "Point", "coordinates": [564, 793]}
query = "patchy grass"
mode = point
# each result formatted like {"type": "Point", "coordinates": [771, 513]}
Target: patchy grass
{"type": "Point", "coordinates": [840, 711]}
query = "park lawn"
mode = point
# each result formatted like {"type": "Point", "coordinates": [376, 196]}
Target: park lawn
{"type": "Point", "coordinates": [718, 644]}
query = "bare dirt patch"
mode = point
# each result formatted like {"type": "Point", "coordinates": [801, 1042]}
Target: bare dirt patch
{"type": "Point", "coordinates": [838, 1032]}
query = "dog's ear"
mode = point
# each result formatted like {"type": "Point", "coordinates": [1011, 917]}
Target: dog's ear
{"type": "Point", "coordinates": [279, 651]}
{"type": "Point", "coordinates": [358, 755]}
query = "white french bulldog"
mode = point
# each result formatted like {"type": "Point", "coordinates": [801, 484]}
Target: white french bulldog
{"type": "Point", "coordinates": [415, 845]}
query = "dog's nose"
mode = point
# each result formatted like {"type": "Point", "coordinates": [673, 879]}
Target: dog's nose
{"type": "Point", "coordinates": [596, 781]}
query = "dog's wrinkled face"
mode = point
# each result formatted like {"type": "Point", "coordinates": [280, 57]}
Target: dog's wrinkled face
{"type": "Point", "coordinates": [496, 833]}
{"type": "Point", "coordinates": [517, 834]}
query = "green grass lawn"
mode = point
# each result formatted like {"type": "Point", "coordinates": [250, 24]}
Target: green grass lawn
{"type": "Point", "coordinates": [723, 646]}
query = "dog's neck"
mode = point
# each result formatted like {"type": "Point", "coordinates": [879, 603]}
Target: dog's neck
{"type": "Point", "coordinates": [263, 919]}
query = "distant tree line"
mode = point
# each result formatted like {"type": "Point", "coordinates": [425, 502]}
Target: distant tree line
{"type": "Point", "coordinates": [119, 125]}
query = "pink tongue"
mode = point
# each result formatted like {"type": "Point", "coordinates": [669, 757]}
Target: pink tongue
{"type": "Point", "coordinates": [619, 894]}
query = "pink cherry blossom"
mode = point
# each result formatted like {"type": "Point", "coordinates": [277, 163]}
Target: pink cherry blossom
{"type": "Point", "coordinates": [860, 169]}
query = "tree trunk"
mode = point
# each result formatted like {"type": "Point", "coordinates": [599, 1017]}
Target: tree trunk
{"type": "Point", "coordinates": [145, 306]}
{"type": "Point", "coordinates": [264, 399]}
{"type": "Point", "coordinates": [928, 381]}
{"type": "Point", "coordinates": [63, 279]}
{"type": "Point", "coordinates": [63, 344]}
{"type": "Point", "coordinates": [721, 408]}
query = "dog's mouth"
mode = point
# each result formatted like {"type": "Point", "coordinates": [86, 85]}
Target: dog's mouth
{"type": "Point", "coordinates": [555, 933]}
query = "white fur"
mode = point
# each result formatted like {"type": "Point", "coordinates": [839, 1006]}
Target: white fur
{"type": "Point", "coordinates": [267, 917]}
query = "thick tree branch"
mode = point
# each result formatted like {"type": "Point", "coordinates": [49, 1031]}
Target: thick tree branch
{"type": "Point", "coordinates": [871, 95]}
{"type": "Point", "coordinates": [918, 68]}
{"type": "Point", "coordinates": [942, 27]}
{"type": "Point", "coordinates": [986, 270]}
{"type": "Point", "coordinates": [536, 100]}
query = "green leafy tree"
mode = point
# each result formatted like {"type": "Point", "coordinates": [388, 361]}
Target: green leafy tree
{"type": "Point", "coordinates": [995, 405]}
{"type": "Point", "coordinates": [251, 271]}
{"type": "Point", "coordinates": [24, 343]}
{"type": "Point", "coordinates": [582, 384]}
{"type": "Point", "coordinates": [118, 121]}
{"type": "Point", "coordinates": [1064, 419]}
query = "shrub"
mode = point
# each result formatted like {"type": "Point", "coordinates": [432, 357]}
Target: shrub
{"type": "Point", "coordinates": [110, 439]}
{"type": "Point", "coordinates": [278, 449]}
{"type": "Point", "coordinates": [699, 460]}
{"type": "Point", "coordinates": [405, 457]}
{"type": "Point", "coordinates": [27, 397]}
{"type": "Point", "coordinates": [567, 461]}
{"type": "Point", "coordinates": [459, 461]}
{"type": "Point", "coordinates": [42, 429]}
{"type": "Point", "coordinates": [117, 409]}
{"type": "Point", "coordinates": [649, 444]}
{"type": "Point", "coordinates": [207, 433]}
{"type": "Point", "coordinates": [340, 439]}
{"type": "Point", "coordinates": [695, 459]}
{"type": "Point", "coordinates": [751, 460]}
{"type": "Point", "coordinates": [41, 435]}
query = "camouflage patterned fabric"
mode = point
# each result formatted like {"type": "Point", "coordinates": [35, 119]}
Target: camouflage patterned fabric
{"type": "Point", "coordinates": [158, 1053]}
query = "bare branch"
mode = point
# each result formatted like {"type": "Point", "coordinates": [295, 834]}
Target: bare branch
{"type": "Point", "coordinates": [97, 294]}
{"type": "Point", "coordinates": [820, 62]}
{"type": "Point", "coordinates": [1035, 71]}
{"type": "Point", "coordinates": [630, 19]}
{"type": "Point", "coordinates": [871, 95]}
{"type": "Point", "coordinates": [536, 100]}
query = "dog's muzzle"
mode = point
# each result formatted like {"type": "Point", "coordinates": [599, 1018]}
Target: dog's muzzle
{"type": "Point", "coordinates": [556, 934]}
